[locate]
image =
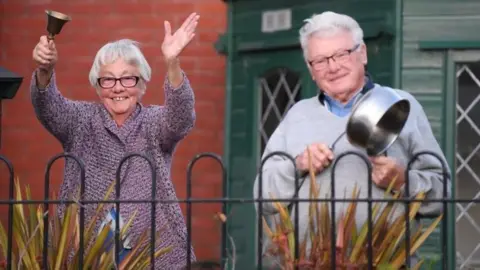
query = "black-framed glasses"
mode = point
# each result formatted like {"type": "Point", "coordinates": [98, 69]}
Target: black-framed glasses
{"type": "Point", "coordinates": [340, 57]}
{"type": "Point", "coordinates": [110, 82]}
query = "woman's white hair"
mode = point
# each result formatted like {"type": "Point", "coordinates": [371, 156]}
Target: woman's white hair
{"type": "Point", "coordinates": [126, 49]}
{"type": "Point", "coordinates": [329, 23]}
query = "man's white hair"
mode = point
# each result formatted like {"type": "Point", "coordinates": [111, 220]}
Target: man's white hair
{"type": "Point", "coordinates": [126, 49]}
{"type": "Point", "coordinates": [329, 23]}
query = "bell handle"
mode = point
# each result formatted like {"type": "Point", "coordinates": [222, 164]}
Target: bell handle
{"type": "Point", "coordinates": [50, 36]}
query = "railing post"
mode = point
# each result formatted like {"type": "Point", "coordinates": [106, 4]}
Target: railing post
{"type": "Point", "coordinates": [446, 177]}
{"type": "Point", "coordinates": [260, 201]}
{"type": "Point", "coordinates": [46, 205]}
{"type": "Point", "coordinates": [369, 210]}
{"type": "Point", "coordinates": [10, 209]}
{"type": "Point", "coordinates": [152, 204]}
{"type": "Point", "coordinates": [189, 203]}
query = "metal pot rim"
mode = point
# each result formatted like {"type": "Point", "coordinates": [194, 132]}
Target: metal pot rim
{"type": "Point", "coordinates": [372, 123]}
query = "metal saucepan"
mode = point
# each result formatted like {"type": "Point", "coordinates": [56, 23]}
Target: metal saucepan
{"type": "Point", "coordinates": [377, 120]}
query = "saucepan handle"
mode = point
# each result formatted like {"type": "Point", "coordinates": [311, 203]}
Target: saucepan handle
{"type": "Point", "coordinates": [332, 146]}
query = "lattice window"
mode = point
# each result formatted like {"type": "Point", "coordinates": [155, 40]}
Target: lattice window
{"type": "Point", "coordinates": [280, 90]}
{"type": "Point", "coordinates": [468, 165]}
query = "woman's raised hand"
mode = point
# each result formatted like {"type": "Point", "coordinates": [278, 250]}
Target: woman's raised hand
{"type": "Point", "coordinates": [45, 54]}
{"type": "Point", "coordinates": [173, 44]}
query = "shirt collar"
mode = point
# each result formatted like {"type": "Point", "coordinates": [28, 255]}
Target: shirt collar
{"type": "Point", "coordinates": [369, 84]}
{"type": "Point", "coordinates": [333, 102]}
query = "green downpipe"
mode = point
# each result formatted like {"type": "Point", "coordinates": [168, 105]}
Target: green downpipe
{"type": "Point", "coordinates": [228, 110]}
{"type": "Point", "coordinates": [449, 142]}
{"type": "Point", "coordinates": [398, 52]}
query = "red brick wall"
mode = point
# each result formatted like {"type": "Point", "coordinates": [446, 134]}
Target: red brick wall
{"type": "Point", "coordinates": [94, 22]}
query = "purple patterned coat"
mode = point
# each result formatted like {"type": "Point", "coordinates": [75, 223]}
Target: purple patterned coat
{"type": "Point", "coordinates": [85, 129]}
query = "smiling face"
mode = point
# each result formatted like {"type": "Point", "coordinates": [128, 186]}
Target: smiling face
{"type": "Point", "coordinates": [119, 88]}
{"type": "Point", "coordinates": [336, 64]}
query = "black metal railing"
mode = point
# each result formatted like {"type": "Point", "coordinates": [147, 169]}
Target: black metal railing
{"type": "Point", "coordinates": [225, 200]}
{"type": "Point", "coordinates": [370, 200]}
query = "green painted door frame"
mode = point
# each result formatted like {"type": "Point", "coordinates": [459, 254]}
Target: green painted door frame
{"type": "Point", "coordinates": [449, 142]}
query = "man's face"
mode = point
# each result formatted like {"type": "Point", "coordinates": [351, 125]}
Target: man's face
{"type": "Point", "coordinates": [336, 64]}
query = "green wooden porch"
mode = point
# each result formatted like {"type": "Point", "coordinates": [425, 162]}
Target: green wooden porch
{"type": "Point", "coordinates": [427, 47]}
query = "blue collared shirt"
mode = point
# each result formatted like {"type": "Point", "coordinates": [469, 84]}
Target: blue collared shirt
{"type": "Point", "coordinates": [339, 109]}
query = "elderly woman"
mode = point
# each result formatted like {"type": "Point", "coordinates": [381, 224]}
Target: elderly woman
{"type": "Point", "coordinates": [102, 133]}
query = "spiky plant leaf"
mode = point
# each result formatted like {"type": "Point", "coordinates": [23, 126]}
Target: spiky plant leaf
{"type": "Point", "coordinates": [351, 247]}
{"type": "Point", "coordinates": [64, 238]}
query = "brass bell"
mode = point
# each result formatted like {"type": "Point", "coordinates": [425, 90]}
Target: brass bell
{"type": "Point", "coordinates": [55, 22]}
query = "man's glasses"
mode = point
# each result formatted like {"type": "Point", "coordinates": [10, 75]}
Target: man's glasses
{"type": "Point", "coordinates": [340, 57]}
{"type": "Point", "coordinates": [109, 82]}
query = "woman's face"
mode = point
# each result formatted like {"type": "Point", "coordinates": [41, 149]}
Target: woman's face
{"type": "Point", "coordinates": [120, 89]}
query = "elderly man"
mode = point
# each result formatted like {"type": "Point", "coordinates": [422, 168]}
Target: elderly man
{"type": "Point", "coordinates": [336, 56]}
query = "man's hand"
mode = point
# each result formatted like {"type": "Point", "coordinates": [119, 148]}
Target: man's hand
{"type": "Point", "coordinates": [321, 155]}
{"type": "Point", "coordinates": [385, 170]}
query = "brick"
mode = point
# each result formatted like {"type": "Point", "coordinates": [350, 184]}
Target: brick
{"type": "Point", "coordinates": [113, 22]}
{"type": "Point", "coordinates": [13, 7]}
{"type": "Point", "coordinates": [87, 8]}
{"type": "Point", "coordinates": [212, 7]}
{"type": "Point", "coordinates": [154, 23]}
{"type": "Point", "coordinates": [213, 93]}
{"type": "Point", "coordinates": [145, 8]}
{"type": "Point", "coordinates": [210, 122]}
{"type": "Point", "coordinates": [188, 64]}
{"type": "Point", "coordinates": [206, 78]}
{"type": "Point", "coordinates": [215, 23]}
{"type": "Point", "coordinates": [203, 49]}
{"type": "Point", "coordinates": [167, 7]}
{"type": "Point", "coordinates": [146, 37]}
{"type": "Point", "coordinates": [208, 36]}
{"type": "Point", "coordinates": [23, 23]}
{"type": "Point", "coordinates": [215, 64]}
{"type": "Point", "coordinates": [77, 64]}
{"type": "Point", "coordinates": [206, 172]}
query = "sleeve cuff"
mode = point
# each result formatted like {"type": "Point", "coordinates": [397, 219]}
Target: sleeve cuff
{"type": "Point", "coordinates": [170, 87]}
{"type": "Point", "coordinates": [288, 173]}
{"type": "Point", "coordinates": [416, 185]}
{"type": "Point", "coordinates": [49, 86]}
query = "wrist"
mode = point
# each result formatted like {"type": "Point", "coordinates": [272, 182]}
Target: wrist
{"type": "Point", "coordinates": [43, 77]}
{"type": "Point", "coordinates": [172, 62]}
{"type": "Point", "coordinates": [175, 75]}
{"type": "Point", "coordinates": [44, 71]}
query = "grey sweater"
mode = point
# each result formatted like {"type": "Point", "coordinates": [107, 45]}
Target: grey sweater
{"type": "Point", "coordinates": [308, 121]}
